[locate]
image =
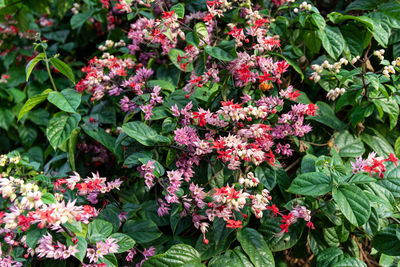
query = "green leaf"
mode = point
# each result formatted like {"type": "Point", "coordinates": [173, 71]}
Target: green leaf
{"type": "Point", "coordinates": [231, 258]}
{"type": "Point", "coordinates": [311, 184]}
{"type": "Point", "coordinates": [105, 139]}
{"type": "Point", "coordinates": [397, 147]}
{"type": "Point", "coordinates": [60, 128]}
{"type": "Point", "coordinates": [391, 108]}
{"type": "Point", "coordinates": [270, 229]}
{"type": "Point", "coordinates": [332, 41]}
{"type": "Point", "coordinates": [256, 248]}
{"type": "Point", "coordinates": [349, 145]}
{"type": "Point", "coordinates": [142, 231]}
{"type": "Point", "coordinates": [72, 147]}
{"type": "Point", "coordinates": [336, 235]}
{"type": "Point", "coordinates": [99, 230]}
{"type": "Point", "coordinates": [328, 257]}
{"type": "Point", "coordinates": [178, 255]}
{"type": "Point", "coordinates": [136, 158]}
{"type": "Point", "coordinates": [267, 176]}
{"type": "Point", "coordinates": [391, 181]}
{"type": "Point", "coordinates": [2, 3]}
{"type": "Point", "coordinates": [349, 262]}
{"type": "Point", "coordinates": [179, 10]}
{"type": "Point", "coordinates": [144, 134]}
{"type": "Point", "coordinates": [360, 178]}
{"type": "Point", "coordinates": [353, 203]}
{"type": "Point", "coordinates": [173, 56]}
{"type": "Point", "coordinates": [326, 115]}
{"type": "Point", "coordinates": [386, 241]}
{"type": "Point", "coordinates": [123, 241]}
{"type": "Point", "coordinates": [201, 30]}
{"type": "Point", "coordinates": [63, 68]}
{"type": "Point", "coordinates": [6, 118]}
{"type": "Point", "coordinates": [318, 20]}
{"type": "Point", "coordinates": [48, 198]}
{"type": "Point", "coordinates": [110, 260]}
{"type": "Point", "coordinates": [82, 247]}
{"type": "Point", "coordinates": [79, 19]}
{"type": "Point", "coordinates": [33, 236]}
{"type": "Point", "coordinates": [32, 63]}
{"type": "Point", "coordinates": [32, 102]}
{"type": "Point", "coordinates": [163, 84]}
{"type": "Point", "coordinates": [362, 5]}
{"type": "Point", "coordinates": [225, 51]}
{"type": "Point", "coordinates": [377, 142]}
{"type": "Point", "coordinates": [68, 100]}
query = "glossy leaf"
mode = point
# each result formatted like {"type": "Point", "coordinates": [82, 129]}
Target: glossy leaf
{"type": "Point", "coordinates": [142, 231]}
{"type": "Point", "coordinates": [60, 128]}
{"type": "Point", "coordinates": [32, 63]}
{"type": "Point", "coordinates": [123, 241]}
{"type": "Point", "coordinates": [67, 100]}
{"type": "Point", "coordinates": [63, 68]}
{"type": "Point", "coordinates": [353, 203]}
{"type": "Point", "coordinates": [32, 102]}
{"type": "Point", "coordinates": [99, 230]}
{"type": "Point", "coordinates": [144, 134]}
{"type": "Point", "coordinates": [256, 248]}
{"type": "Point", "coordinates": [177, 255]}
{"type": "Point", "coordinates": [311, 184]}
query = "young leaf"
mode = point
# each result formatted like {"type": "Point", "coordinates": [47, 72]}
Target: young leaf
{"type": "Point", "coordinates": [63, 68]}
{"type": "Point", "coordinates": [179, 10]}
{"type": "Point", "coordinates": [67, 100]}
{"type": "Point", "coordinates": [32, 102]}
{"type": "Point", "coordinates": [32, 63]}
{"type": "Point", "coordinates": [311, 184]}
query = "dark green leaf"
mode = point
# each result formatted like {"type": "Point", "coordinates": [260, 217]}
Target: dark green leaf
{"type": "Point", "coordinates": [353, 203]}
{"type": "Point", "coordinates": [311, 184]}
{"type": "Point", "coordinates": [332, 41]}
{"type": "Point", "coordinates": [256, 248]}
{"type": "Point", "coordinates": [99, 230]}
{"type": "Point", "coordinates": [142, 231]}
{"type": "Point", "coordinates": [144, 134]}
{"type": "Point", "coordinates": [386, 241]}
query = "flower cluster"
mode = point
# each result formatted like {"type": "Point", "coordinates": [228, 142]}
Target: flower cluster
{"type": "Point", "coordinates": [147, 253]}
{"type": "Point", "coordinates": [48, 249]}
{"type": "Point", "coordinates": [372, 164]}
{"type": "Point", "coordinates": [101, 249]}
{"type": "Point", "coordinates": [91, 186]}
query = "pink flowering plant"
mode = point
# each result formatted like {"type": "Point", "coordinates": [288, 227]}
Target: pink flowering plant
{"type": "Point", "coordinates": [177, 133]}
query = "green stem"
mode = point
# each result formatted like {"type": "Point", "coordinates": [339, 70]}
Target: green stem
{"type": "Point", "coordinates": [48, 71]}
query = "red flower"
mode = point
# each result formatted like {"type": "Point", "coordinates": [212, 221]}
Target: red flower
{"type": "Point", "coordinates": [234, 224]}
{"type": "Point", "coordinates": [294, 95]}
{"type": "Point", "coordinates": [200, 116]}
{"type": "Point", "coordinates": [265, 77]}
{"type": "Point", "coordinates": [310, 225]}
{"type": "Point", "coordinates": [218, 144]}
{"type": "Point", "coordinates": [167, 15]}
{"type": "Point", "coordinates": [392, 158]}
{"type": "Point", "coordinates": [274, 209]}
{"type": "Point", "coordinates": [223, 154]}
{"type": "Point", "coordinates": [311, 109]}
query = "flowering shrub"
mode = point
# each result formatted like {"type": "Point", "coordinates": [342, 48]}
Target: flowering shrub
{"type": "Point", "coordinates": [159, 133]}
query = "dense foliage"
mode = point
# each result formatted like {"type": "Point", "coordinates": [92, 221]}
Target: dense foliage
{"type": "Point", "coordinates": [199, 133]}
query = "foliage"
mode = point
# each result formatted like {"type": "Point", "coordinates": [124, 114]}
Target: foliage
{"type": "Point", "coordinates": [245, 133]}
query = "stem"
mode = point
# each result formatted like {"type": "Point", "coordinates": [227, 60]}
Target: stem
{"type": "Point", "coordinates": [67, 231]}
{"type": "Point", "coordinates": [48, 71]}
